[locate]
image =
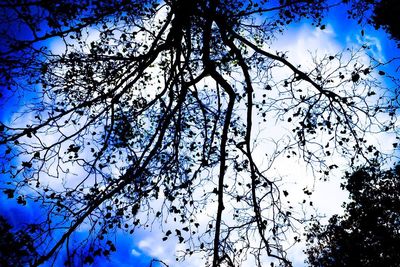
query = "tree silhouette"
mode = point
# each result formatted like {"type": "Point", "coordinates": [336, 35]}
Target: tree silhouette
{"type": "Point", "coordinates": [381, 14]}
{"type": "Point", "coordinates": [368, 233]}
{"type": "Point", "coordinates": [156, 120]}
{"type": "Point", "coordinates": [16, 247]}
{"type": "Point", "coordinates": [385, 14]}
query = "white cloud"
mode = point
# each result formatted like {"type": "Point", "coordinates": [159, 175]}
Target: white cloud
{"type": "Point", "coordinates": [374, 44]}
{"type": "Point", "coordinates": [300, 42]}
{"type": "Point", "coordinates": [135, 253]}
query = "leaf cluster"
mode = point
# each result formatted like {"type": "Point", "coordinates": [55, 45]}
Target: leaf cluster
{"type": "Point", "coordinates": [368, 233]}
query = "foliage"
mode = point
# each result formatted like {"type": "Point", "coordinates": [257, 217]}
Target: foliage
{"type": "Point", "coordinates": [386, 15]}
{"type": "Point", "coordinates": [379, 13]}
{"type": "Point", "coordinates": [16, 247]}
{"type": "Point", "coordinates": [368, 234]}
{"type": "Point", "coordinates": [150, 115]}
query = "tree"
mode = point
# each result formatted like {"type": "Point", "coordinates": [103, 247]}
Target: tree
{"type": "Point", "coordinates": [156, 119]}
{"type": "Point", "coordinates": [368, 233]}
{"type": "Point", "coordinates": [381, 14]}
{"type": "Point", "coordinates": [16, 247]}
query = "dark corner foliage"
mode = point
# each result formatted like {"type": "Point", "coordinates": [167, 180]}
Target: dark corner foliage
{"type": "Point", "coordinates": [16, 246]}
{"type": "Point", "coordinates": [368, 234]}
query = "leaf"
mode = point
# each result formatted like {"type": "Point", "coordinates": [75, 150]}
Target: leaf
{"type": "Point", "coordinates": [26, 164]}
{"type": "Point", "coordinates": [285, 193]}
{"type": "Point", "coordinates": [355, 77]}
{"type": "Point", "coordinates": [21, 200]}
{"type": "Point", "coordinates": [381, 72]}
{"type": "Point", "coordinates": [9, 193]}
{"type": "Point", "coordinates": [89, 259]}
{"type": "Point", "coordinates": [73, 148]}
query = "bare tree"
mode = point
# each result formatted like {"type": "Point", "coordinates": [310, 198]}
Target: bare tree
{"type": "Point", "coordinates": [157, 118]}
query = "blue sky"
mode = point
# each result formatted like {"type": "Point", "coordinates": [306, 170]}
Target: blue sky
{"type": "Point", "coordinates": [139, 249]}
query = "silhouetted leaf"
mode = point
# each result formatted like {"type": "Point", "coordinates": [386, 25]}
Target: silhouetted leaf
{"type": "Point", "coordinates": [9, 193]}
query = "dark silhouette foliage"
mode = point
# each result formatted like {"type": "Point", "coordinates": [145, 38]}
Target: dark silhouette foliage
{"type": "Point", "coordinates": [379, 13]}
{"type": "Point", "coordinates": [16, 247]}
{"type": "Point", "coordinates": [368, 234]}
{"type": "Point", "coordinates": [386, 15]}
{"type": "Point", "coordinates": [150, 113]}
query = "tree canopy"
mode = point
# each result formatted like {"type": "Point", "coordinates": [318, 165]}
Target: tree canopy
{"type": "Point", "coordinates": [379, 13]}
{"type": "Point", "coordinates": [150, 112]}
{"type": "Point", "coordinates": [368, 234]}
{"type": "Point", "coordinates": [16, 247]}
